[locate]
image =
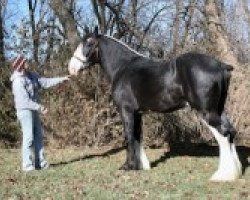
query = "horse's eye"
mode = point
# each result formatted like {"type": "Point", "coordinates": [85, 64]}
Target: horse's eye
{"type": "Point", "coordinates": [89, 44]}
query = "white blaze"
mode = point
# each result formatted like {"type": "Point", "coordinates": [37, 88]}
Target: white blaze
{"type": "Point", "coordinates": [77, 61]}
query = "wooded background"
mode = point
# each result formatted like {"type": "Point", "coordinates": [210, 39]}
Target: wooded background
{"type": "Point", "coordinates": [81, 112]}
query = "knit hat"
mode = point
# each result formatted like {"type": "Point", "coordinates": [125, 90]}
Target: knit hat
{"type": "Point", "coordinates": [19, 62]}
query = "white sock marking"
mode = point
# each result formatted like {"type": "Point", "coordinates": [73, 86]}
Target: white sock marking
{"type": "Point", "coordinates": [236, 158]}
{"type": "Point", "coordinates": [229, 167]}
{"type": "Point", "coordinates": [142, 156]}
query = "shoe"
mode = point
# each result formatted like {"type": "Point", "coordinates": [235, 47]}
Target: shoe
{"type": "Point", "coordinates": [29, 168]}
{"type": "Point", "coordinates": [44, 165]}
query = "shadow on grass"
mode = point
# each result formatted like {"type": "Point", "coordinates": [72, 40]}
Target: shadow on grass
{"type": "Point", "coordinates": [195, 150]}
{"type": "Point", "coordinates": [200, 150]}
{"type": "Point", "coordinates": [105, 154]}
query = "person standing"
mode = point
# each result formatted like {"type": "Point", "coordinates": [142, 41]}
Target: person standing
{"type": "Point", "coordinates": [25, 87]}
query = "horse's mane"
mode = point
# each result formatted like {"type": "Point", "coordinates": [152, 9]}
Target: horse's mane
{"type": "Point", "coordinates": [125, 45]}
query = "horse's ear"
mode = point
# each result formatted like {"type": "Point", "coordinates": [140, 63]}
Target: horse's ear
{"type": "Point", "coordinates": [86, 30]}
{"type": "Point", "coordinates": [96, 31]}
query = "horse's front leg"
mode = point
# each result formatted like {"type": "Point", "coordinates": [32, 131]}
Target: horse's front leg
{"type": "Point", "coordinates": [136, 157]}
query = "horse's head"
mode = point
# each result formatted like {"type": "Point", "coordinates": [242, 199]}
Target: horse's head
{"type": "Point", "coordinates": [85, 55]}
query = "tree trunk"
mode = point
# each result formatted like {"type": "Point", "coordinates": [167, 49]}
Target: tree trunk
{"type": "Point", "coordinates": [176, 27]}
{"type": "Point", "coordinates": [34, 32]}
{"type": "Point", "coordinates": [65, 12]}
{"type": "Point", "coordinates": [2, 57]}
{"type": "Point", "coordinates": [190, 14]}
{"type": "Point", "coordinates": [50, 40]}
{"type": "Point", "coordinates": [217, 35]}
{"type": "Point", "coordinates": [103, 17]}
{"type": "Point", "coordinates": [247, 18]}
{"type": "Point", "coordinates": [100, 14]}
{"type": "Point", "coordinates": [133, 16]}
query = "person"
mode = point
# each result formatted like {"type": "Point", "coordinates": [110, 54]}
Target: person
{"type": "Point", "coordinates": [25, 87]}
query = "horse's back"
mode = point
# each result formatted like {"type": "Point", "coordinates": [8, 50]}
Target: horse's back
{"type": "Point", "coordinates": [202, 62]}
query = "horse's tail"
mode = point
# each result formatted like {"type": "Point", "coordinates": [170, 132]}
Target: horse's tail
{"type": "Point", "coordinates": [227, 67]}
{"type": "Point", "coordinates": [227, 75]}
{"type": "Point", "coordinates": [225, 81]}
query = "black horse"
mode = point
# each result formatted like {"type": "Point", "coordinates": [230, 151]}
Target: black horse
{"type": "Point", "coordinates": [140, 84]}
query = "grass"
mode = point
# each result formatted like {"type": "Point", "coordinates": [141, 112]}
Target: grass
{"type": "Point", "coordinates": [93, 174]}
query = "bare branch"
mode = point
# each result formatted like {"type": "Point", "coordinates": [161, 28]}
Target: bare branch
{"type": "Point", "coordinates": [127, 27]}
{"type": "Point", "coordinates": [153, 19]}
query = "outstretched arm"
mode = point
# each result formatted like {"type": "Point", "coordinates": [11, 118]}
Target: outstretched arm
{"type": "Point", "coordinates": [50, 82]}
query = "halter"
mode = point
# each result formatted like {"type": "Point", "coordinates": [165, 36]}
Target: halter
{"type": "Point", "coordinates": [82, 61]}
{"type": "Point", "coordinates": [92, 50]}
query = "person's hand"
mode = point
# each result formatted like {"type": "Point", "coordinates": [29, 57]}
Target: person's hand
{"type": "Point", "coordinates": [68, 77]}
{"type": "Point", "coordinates": [44, 110]}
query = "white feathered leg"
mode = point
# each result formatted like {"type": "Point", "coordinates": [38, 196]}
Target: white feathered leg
{"type": "Point", "coordinates": [236, 158]}
{"type": "Point", "coordinates": [142, 156]}
{"type": "Point", "coordinates": [229, 168]}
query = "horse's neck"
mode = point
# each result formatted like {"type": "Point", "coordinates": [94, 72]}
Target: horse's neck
{"type": "Point", "coordinates": [114, 58]}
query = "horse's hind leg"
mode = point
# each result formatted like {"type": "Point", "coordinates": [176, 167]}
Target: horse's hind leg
{"type": "Point", "coordinates": [136, 157]}
{"type": "Point", "coordinates": [229, 167]}
{"type": "Point", "coordinates": [230, 131]}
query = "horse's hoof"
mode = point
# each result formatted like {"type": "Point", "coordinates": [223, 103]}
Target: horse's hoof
{"type": "Point", "coordinates": [127, 167]}
{"type": "Point", "coordinates": [124, 167]}
{"type": "Point", "coordinates": [222, 177]}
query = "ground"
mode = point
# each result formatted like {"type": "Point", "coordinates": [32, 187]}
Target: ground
{"type": "Point", "coordinates": [77, 173]}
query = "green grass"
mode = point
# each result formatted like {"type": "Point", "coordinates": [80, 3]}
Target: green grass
{"type": "Point", "coordinates": [93, 174]}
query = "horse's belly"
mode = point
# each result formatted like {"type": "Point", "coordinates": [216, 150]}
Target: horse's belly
{"type": "Point", "coordinates": [162, 105]}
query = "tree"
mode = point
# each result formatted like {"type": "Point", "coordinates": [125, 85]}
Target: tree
{"type": "Point", "coordinates": [2, 14]}
{"type": "Point", "coordinates": [35, 33]}
{"type": "Point", "coordinates": [100, 13]}
{"type": "Point", "coordinates": [216, 33]}
{"type": "Point", "coordinates": [133, 10]}
{"type": "Point", "coordinates": [189, 15]}
{"type": "Point", "coordinates": [128, 26]}
{"type": "Point", "coordinates": [37, 10]}
{"type": "Point", "coordinates": [64, 10]}
{"type": "Point", "coordinates": [176, 27]}
{"type": "Point", "coordinates": [247, 17]}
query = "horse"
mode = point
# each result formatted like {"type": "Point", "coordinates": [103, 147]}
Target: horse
{"type": "Point", "coordinates": [140, 84]}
